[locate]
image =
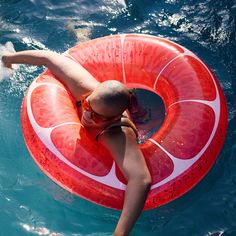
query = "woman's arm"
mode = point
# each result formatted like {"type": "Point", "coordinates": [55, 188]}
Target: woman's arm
{"type": "Point", "coordinates": [74, 76]}
{"type": "Point", "coordinates": [128, 156]}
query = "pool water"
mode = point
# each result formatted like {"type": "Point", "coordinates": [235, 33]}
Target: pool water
{"type": "Point", "coordinates": [31, 204]}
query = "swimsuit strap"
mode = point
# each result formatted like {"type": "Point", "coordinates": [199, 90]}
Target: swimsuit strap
{"type": "Point", "coordinates": [120, 124]}
{"type": "Point", "coordinates": [109, 127]}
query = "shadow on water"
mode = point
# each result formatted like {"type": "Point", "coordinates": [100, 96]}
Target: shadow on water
{"type": "Point", "coordinates": [150, 114]}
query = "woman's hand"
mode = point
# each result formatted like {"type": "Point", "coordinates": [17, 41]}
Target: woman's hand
{"type": "Point", "coordinates": [6, 66]}
{"type": "Point", "coordinates": [5, 60]}
{"type": "Point", "coordinates": [5, 51]}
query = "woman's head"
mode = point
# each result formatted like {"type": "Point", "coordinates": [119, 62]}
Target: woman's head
{"type": "Point", "coordinates": [109, 100]}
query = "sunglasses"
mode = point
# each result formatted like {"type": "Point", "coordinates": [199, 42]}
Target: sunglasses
{"type": "Point", "coordinates": [97, 118]}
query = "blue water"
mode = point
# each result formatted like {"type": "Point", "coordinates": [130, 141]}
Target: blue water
{"type": "Point", "coordinates": [30, 203]}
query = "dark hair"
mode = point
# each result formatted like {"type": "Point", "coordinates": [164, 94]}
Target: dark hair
{"type": "Point", "coordinates": [114, 94]}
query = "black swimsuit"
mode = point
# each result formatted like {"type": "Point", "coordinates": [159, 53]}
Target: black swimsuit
{"type": "Point", "coordinates": [112, 126]}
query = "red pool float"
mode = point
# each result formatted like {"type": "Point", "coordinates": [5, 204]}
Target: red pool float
{"type": "Point", "coordinates": [178, 155]}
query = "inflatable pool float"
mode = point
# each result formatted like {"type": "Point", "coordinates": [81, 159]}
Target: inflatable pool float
{"type": "Point", "coordinates": [178, 155]}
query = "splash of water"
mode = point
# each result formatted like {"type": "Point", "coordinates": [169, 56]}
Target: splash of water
{"type": "Point", "coordinates": [4, 71]}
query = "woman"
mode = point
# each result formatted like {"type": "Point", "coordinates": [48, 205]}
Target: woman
{"type": "Point", "coordinates": [102, 107]}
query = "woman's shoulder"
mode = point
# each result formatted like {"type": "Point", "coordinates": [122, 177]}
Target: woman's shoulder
{"type": "Point", "coordinates": [125, 128]}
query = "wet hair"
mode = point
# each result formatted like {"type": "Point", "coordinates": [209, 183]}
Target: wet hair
{"type": "Point", "coordinates": [117, 97]}
{"type": "Point", "coordinates": [114, 94]}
